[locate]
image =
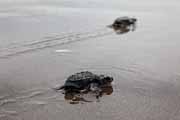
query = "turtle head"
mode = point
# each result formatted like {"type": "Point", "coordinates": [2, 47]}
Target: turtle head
{"type": "Point", "coordinates": [106, 79]}
{"type": "Point", "coordinates": [134, 19]}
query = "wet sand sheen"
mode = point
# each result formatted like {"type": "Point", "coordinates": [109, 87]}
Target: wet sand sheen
{"type": "Point", "coordinates": [144, 64]}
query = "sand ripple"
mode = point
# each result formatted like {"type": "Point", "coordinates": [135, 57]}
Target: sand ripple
{"type": "Point", "coordinates": [11, 106]}
{"type": "Point", "coordinates": [7, 101]}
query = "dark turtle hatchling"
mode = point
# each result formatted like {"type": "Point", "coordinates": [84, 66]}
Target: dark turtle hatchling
{"type": "Point", "coordinates": [124, 24]}
{"type": "Point", "coordinates": [85, 81]}
{"type": "Point", "coordinates": [124, 21]}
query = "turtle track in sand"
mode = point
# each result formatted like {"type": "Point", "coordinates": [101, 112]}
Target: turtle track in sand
{"type": "Point", "coordinates": [52, 41]}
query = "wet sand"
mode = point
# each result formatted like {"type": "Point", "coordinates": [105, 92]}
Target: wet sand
{"type": "Point", "coordinates": [39, 51]}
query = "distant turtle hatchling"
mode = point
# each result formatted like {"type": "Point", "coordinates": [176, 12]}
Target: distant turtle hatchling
{"type": "Point", "coordinates": [124, 24]}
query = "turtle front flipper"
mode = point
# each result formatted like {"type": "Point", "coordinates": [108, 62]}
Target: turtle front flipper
{"type": "Point", "coordinates": [59, 88]}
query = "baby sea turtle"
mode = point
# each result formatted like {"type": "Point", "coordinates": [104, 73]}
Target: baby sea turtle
{"type": "Point", "coordinates": [124, 24]}
{"type": "Point", "coordinates": [85, 81]}
{"type": "Point", "coordinates": [124, 21]}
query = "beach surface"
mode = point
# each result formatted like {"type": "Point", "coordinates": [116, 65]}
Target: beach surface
{"type": "Point", "coordinates": [44, 42]}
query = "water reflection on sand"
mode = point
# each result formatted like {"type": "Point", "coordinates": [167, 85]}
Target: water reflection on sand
{"type": "Point", "coordinates": [75, 98]}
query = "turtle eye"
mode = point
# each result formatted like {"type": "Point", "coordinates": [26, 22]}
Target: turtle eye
{"type": "Point", "coordinates": [108, 79]}
{"type": "Point", "coordinates": [134, 19]}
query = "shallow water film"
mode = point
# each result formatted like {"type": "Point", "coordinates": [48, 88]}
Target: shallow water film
{"type": "Point", "coordinates": [42, 43]}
